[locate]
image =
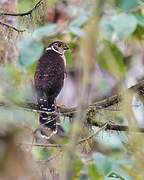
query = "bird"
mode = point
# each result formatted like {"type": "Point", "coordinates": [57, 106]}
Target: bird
{"type": "Point", "coordinates": [48, 80]}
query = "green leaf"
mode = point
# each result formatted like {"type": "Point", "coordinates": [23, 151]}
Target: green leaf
{"type": "Point", "coordinates": [10, 75]}
{"type": "Point", "coordinates": [49, 30]}
{"type": "Point", "coordinates": [140, 19]}
{"type": "Point", "coordinates": [118, 173]}
{"type": "Point", "coordinates": [103, 163]}
{"type": "Point", "coordinates": [31, 69]}
{"type": "Point", "coordinates": [93, 172]}
{"type": "Point", "coordinates": [30, 51]}
{"type": "Point", "coordinates": [139, 33]}
{"type": "Point", "coordinates": [108, 167]}
{"type": "Point", "coordinates": [126, 5]}
{"type": "Point", "coordinates": [119, 26]}
{"type": "Point", "coordinates": [114, 176]}
{"type": "Point", "coordinates": [66, 124]}
{"type": "Point", "coordinates": [114, 141]}
{"type": "Point", "coordinates": [124, 25]}
{"type": "Point", "coordinates": [106, 28]}
{"type": "Point", "coordinates": [110, 58]}
{"type": "Point", "coordinates": [79, 22]}
{"type": "Point", "coordinates": [31, 48]}
{"type": "Point", "coordinates": [69, 58]}
{"type": "Point", "coordinates": [76, 31]}
{"type": "Point", "coordinates": [40, 153]}
{"type": "Point", "coordinates": [75, 26]}
{"type": "Point", "coordinates": [78, 166]}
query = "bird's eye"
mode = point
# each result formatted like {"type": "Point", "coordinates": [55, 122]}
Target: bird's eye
{"type": "Point", "coordinates": [60, 45]}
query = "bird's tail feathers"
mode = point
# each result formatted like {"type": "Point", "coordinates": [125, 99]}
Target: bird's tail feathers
{"type": "Point", "coordinates": [46, 119]}
{"type": "Point", "coordinates": [49, 120]}
{"type": "Point", "coordinates": [46, 105]}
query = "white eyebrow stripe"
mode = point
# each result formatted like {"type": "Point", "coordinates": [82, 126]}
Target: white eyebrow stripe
{"type": "Point", "coordinates": [52, 48]}
{"type": "Point", "coordinates": [49, 48]}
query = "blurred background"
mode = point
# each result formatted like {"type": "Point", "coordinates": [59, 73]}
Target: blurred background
{"type": "Point", "coordinates": [106, 40]}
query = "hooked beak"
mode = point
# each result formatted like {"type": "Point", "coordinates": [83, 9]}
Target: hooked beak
{"type": "Point", "coordinates": [66, 47]}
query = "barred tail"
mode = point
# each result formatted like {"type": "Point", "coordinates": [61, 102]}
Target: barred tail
{"type": "Point", "coordinates": [52, 122]}
{"type": "Point", "coordinates": [45, 119]}
{"type": "Point", "coordinates": [49, 120]}
{"type": "Point", "coordinates": [46, 105]}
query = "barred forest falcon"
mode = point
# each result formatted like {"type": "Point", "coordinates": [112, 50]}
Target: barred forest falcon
{"type": "Point", "coordinates": [49, 79]}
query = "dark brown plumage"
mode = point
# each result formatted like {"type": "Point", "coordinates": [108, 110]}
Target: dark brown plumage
{"type": "Point", "coordinates": [49, 79]}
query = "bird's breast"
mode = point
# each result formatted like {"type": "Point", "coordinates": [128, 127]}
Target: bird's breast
{"type": "Point", "coordinates": [50, 72]}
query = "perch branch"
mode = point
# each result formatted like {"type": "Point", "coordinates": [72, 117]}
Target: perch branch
{"type": "Point", "coordinates": [24, 13]}
{"type": "Point", "coordinates": [98, 105]}
{"type": "Point", "coordinates": [103, 104]}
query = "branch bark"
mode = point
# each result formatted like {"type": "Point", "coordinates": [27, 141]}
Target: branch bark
{"type": "Point", "coordinates": [38, 4]}
{"type": "Point", "coordinates": [98, 105]}
{"type": "Point", "coordinates": [94, 107]}
{"type": "Point", "coordinates": [11, 27]}
{"type": "Point", "coordinates": [8, 40]}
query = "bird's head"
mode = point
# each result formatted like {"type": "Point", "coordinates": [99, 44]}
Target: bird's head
{"type": "Point", "coordinates": [58, 46]}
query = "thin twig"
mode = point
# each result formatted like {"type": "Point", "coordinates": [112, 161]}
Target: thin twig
{"type": "Point", "coordinates": [22, 14]}
{"type": "Point", "coordinates": [42, 145]}
{"type": "Point", "coordinates": [94, 134]}
{"type": "Point", "coordinates": [118, 127]}
{"type": "Point", "coordinates": [11, 27]}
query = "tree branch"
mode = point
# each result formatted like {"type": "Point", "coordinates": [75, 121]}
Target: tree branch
{"type": "Point", "coordinates": [117, 127]}
{"type": "Point", "coordinates": [42, 145]}
{"type": "Point", "coordinates": [103, 126]}
{"type": "Point", "coordinates": [39, 3]}
{"type": "Point", "coordinates": [11, 27]}
{"type": "Point", "coordinates": [93, 135]}
{"type": "Point", "coordinates": [98, 105]}
{"type": "Point", "coordinates": [92, 108]}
